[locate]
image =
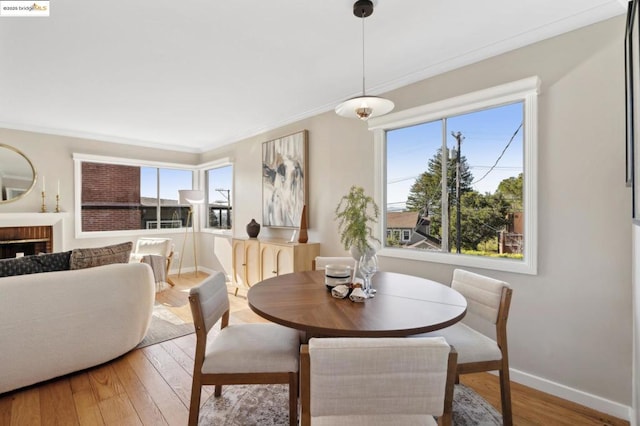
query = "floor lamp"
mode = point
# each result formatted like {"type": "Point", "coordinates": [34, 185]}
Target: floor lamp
{"type": "Point", "coordinates": [191, 197]}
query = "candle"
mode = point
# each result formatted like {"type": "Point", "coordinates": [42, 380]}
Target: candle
{"type": "Point", "coordinates": [43, 183]}
{"type": "Point", "coordinates": [58, 187]}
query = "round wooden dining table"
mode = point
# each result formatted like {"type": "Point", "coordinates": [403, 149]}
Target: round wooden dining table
{"type": "Point", "coordinates": [403, 305]}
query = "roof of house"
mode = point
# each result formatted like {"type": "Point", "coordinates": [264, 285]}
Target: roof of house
{"type": "Point", "coordinates": [402, 219]}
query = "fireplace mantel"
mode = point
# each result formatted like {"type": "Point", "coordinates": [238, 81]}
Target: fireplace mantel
{"type": "Point", "coordinates": [55, 220]}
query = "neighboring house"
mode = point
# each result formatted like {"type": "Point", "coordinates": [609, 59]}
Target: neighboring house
{"type": "Point", "coordinates": [511, 239]}
{"type": "Point", "coordinates": [401, 226]}
{"type": "Point", "coordinates": [411, 230]}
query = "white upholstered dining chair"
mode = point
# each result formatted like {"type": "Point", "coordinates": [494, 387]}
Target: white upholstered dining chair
{"type": "Point", "coordinates": [376, 381]}
{"type": "Point", "coordinates": [488, 302]}
{"type": "Point", "coordinates": [321, 262]}
{"type": "Point", "coordinates": [238, 353]}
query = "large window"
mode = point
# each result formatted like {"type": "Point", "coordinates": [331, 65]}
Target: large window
{"type": "Point", "coordinates": [120, 195]}
{"type": "Point", "coordinates": [219, 197]}
{"type": "Point", "coordinates": [458, 177]}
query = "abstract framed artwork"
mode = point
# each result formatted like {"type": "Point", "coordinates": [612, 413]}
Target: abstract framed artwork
{"type": "Point", "coordinates": [285, 180]}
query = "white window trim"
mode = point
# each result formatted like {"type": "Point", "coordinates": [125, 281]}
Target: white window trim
{"type": "Point", "coordinates": [525, 90]}
{"type": "Point", "coordinates": [202, 176]}
{"type": "Point", "coordinates": [79, 158]}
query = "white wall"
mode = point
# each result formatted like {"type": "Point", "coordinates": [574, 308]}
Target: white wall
{"type": "Point", "coordinates": [570, 329]}
{"type": "Point", "coordinates": [635, 420]}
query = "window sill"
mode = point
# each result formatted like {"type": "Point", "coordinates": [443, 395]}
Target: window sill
{"type": "Point", "coordinates": [220, 232]}
{"type": "Point", "coordinates": [496, 264]}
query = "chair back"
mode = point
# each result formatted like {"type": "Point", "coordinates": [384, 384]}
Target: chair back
{"type": "Point", "coordinates": [379, 376]}
{"type": "Point", "coordinates": [157, 246]}
{"type": "Point", "coordinates": [321, 262]}
{"type": "Point", "coordinates": [484, 295]}
{"type": "Point", "coordinates": [209, 302]}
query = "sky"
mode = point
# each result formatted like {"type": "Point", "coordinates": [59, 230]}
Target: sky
{"type": "Point", "coordinates": [486, 134]}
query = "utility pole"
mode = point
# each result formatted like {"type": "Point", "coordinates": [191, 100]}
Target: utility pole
{"type": "Point", "coordinates": [459, 138]}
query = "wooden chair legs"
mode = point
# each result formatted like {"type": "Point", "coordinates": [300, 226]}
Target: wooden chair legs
{"type": "Point", "coordinates": [194, 407]}
{"type": "Point", "coordinates": [505, 397]}
{"type": "Point", "coordinates": [293, 399]}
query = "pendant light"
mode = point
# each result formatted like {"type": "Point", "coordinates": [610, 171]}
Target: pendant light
{"type": "Point", "coordinates": [364, 107]}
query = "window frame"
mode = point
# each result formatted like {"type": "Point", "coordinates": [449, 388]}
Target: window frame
{"type": "Point", "coordinates": [526, 91]}
{"type": "Point", "coordinates": [202, 175]}
{"type": "Point", "coordinates": [79, 158]}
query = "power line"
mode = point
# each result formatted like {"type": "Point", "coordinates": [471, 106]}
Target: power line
{"type": "Point", "coordinates": [400, 179]}
{"type": "Point", "coordinates": [500, 156]}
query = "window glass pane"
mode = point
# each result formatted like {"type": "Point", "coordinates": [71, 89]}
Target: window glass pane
{"type": "Point", "coordinates": [220, 197]}
{"type": "Point", "coordinates": [122, 197]}
{"type": "Point", "coordinates": [491, 166]}
{"type": "Point", "coordinates": [149, 197]}
{"type": "Point", "coordinates": [173, 215]}
{"type": "Point", "coordinates": [413, 191]}
{"type": "Point", "coordinates": [484, 153]}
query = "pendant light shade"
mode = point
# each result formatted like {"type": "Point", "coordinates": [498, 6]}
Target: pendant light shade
{"type": "Point", "coordinates": [364, 107]}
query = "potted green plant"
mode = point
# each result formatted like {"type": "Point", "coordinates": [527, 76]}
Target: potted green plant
{"type": "Point", "coordinates": [354, 213]}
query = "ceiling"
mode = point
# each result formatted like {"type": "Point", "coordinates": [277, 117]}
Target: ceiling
{"type": "Point", "coordinates": [193, 75]}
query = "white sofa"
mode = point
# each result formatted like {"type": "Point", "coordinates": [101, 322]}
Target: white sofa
{"type": "Point", "coordinates": [55, 323]}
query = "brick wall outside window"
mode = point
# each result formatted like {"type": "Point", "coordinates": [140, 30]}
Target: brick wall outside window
{"type": "Point", "coordinates": [110, 197]}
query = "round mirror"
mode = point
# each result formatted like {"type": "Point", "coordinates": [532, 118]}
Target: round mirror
{"type": "Point", "coordinates": [17, 174]}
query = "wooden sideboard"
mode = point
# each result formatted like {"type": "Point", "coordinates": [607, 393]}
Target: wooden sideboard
{"type": "Point", "coordinates": [255, 260]}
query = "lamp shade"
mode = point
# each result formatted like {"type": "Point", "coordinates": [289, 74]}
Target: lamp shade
{"type": "Point", "coordinates": [364, 107]}
{"type": "Point", "coordinates": [191, 196]}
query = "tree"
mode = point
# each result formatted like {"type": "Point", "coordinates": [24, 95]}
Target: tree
{"type": "Point", "coordinates": [511, 188]}
{"type": "Point", "coordinates": [483, 216]}
{"type": "Point", "coordinates": [425, 194]}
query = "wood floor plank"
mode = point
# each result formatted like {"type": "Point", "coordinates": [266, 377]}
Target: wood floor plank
{"type": "Point", "coordinates": [86, 403]}
{"type": "Point", "coordinates": [187, 344]}
{"type": "Point", "coordinates": [25, 409]}
{"type": "Point", "coordinates": [179, 380]}
{"type": "Point", "coordinates": [87, 408]}
{"type": "Point", "coordinates": [533, 407]}
{"type": "Point", "coordinates": [6, 402]}
{"type": "Point", "coordinates": [57, 406]}
{"type": "Point", "coordinates": [118, 410]}
{"type": "Point", "coordinates": [172, 408]}
{"type": "Point", "coordinates": [186, 363]}
{"type": "Point", "coordinates": [142, 402]}
{"type": "Point", "coordinates": [105, 382]}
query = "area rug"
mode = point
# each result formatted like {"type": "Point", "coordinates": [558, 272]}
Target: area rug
{"type": "Point", "coordinates": [268, 405]}
{"type": "Point", "coordinates": [165, 325]}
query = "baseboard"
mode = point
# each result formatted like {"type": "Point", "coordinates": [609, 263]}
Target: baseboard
{"type": "Point", "coordinates": [191, 269]}
{"type": "Point", "coordinates": [594, 402]}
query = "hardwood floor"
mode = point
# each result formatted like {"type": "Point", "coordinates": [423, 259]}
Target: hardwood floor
{"type": "Point", "coordinates": [151, 386]}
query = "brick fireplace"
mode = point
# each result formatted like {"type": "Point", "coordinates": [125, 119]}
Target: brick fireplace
{"type": "Point", "coordinates": [31, 233]}
{"type": "Point", "coordinates": [25, 240]}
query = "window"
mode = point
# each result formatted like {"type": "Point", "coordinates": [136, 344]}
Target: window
{"type": "Point", "coordinates": [219, 197]}
{"type": "Point", "coordinates": [483, 212]}
{"type": "Point", "coordinates": [120, 195]}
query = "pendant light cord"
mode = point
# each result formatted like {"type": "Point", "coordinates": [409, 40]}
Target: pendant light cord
{"type": "Point", "coordinates": [363, 70]}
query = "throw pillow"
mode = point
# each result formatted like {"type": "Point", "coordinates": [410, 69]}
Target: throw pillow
{"type": "Point", "coordinates": [19, 266]}
{"type": "Point", "coordinates": [46, 262]}
{"type": "Point", "coordinates": [52, 262]}
{"type": "Point", "coordinates": [91, 257]}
